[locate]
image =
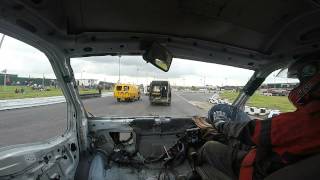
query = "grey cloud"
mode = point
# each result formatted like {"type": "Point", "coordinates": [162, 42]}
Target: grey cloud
{"type": "Point", "coordinates": [23, 59]}
{"type": "Point", "coordinates": [130, 66]}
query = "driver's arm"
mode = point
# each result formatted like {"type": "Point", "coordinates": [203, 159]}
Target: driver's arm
{"type": "Point", "coordinates": [243, 131]}
{"type": "Point", "coordinates": [236, 124]}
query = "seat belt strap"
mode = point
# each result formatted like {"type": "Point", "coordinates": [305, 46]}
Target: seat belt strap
{"type": "Point", "coordinates": [246, 170]}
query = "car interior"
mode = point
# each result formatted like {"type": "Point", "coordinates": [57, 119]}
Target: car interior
{"type": "Point", "coordinates": [262, 36]}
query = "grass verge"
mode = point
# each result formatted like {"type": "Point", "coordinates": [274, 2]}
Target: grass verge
{"type": "Point", "coordinates": [257, 100]}
{"type": "Point", "coordinates": [8, 92]}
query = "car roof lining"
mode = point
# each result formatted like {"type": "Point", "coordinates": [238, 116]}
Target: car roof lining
{"type": "Point", "coordinates": [246, 34]}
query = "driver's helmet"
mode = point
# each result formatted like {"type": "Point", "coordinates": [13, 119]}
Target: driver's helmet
{"type": "Point", "coordinates": [304, 69]}
{"type": "Point", "coordinates": [307, 70]}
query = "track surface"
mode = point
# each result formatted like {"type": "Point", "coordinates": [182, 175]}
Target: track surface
{"type": "Point", "coordinates": [40, 123]}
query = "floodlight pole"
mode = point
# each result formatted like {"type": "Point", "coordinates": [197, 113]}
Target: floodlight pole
{"type": "Point", "coordinates": [1, 41]}
{"type": "Point", "coordinates": [119, 70]}
{"type": "Point", "coordinates": [5, 72]}
{"type": "Point", "coordinates": [5, 79]}
{"type": "Point", "coordinates": [137, 75]}
{"type": "Point", "coordinates": [42, 80]}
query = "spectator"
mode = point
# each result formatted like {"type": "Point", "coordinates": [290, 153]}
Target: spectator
{"type": "Point", "coordinates": [99, 88]}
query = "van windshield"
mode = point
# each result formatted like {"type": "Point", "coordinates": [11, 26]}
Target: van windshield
{"type": "Point", "coordinates": [156, 88]}
{"type": "Point", "coordinates": [131, 87]}
{"type": "Point", "coordinates": [119, 88]}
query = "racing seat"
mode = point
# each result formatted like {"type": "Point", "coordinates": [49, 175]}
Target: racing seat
{"type": "Point", "coordinates": [304, 169]}
{"type": "Point", "coordinates": [207, 172]}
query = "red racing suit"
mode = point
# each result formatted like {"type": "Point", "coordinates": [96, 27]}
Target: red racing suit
{"type": "Point", "coordinates": [281, 141]}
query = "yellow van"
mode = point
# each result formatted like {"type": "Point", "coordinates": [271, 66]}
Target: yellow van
{"type": "Point", "coordinates": [126, 92]}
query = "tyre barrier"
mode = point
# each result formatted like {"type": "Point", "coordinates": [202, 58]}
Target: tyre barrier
{"type": "Point", "coordinates": [219, 101]}
{"type": "Point", "coordinates": [257, 111]}
{"type": "Point", "coordinates": [253, 111]}
{"type": "Point", "coordinates": [273, 113]}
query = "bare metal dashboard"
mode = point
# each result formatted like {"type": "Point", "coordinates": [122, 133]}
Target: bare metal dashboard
{"type": "Point", "coordinates": [146, 134]}
{"type": "Point", "coordinates": [141, 147]}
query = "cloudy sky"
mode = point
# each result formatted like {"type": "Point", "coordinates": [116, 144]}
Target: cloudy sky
{"type": "Point", "coordinates": [24, 60]}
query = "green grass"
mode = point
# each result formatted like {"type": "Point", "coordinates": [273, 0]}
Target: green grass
{"type": "Point", "coordinates": [88, 91]}
{"type": "Point", "coordinates": [8, 92]}
{"type": "Point", "coordinates": [257, 100]}
{"type": "Point", "coordinates": [231, 96]}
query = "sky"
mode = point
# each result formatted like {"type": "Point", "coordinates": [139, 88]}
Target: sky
{"type": "Point", "coordinates": [19, 58]}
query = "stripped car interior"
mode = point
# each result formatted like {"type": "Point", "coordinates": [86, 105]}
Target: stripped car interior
{"type": "Point", "coordinates": [262, 36]}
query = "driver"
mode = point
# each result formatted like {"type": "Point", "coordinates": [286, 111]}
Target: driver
{"type": "Point", "coordinates": [274, 143]}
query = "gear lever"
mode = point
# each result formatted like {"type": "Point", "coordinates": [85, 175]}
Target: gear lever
{"type": "Point", "coordinates": [193, 156]}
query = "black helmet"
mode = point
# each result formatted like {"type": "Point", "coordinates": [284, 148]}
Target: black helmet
{"type": "Point", "coordinates": [307, 70]}
{"type": "Point", "coordinates": [303, 68]}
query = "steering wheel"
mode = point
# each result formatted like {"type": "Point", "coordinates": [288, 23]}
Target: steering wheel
{"type": "Point", "coordinates": [232, 112]}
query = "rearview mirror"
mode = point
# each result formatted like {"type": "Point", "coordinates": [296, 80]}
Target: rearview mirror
{"type": "Point", "coordinates": [159, 56]}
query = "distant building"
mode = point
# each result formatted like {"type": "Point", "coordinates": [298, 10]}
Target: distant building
{"type": "Point", "coordinates": [277, 89]}
{"type": "Point", "coordinates": [87, 82]}
{"type": "Point", "coordinates": [208, 87]}
{"type": "Point", "coordinates": [229, 88]}
{"type": "Point", "coordinates": [279, 86]}
{"type": "Point", "coordinates": [106, 85]}
{"type": "Point", "coordinates": [14, 79]}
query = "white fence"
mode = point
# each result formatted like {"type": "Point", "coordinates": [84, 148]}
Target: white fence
{"type": "Point", "coordinates": [31, 102]}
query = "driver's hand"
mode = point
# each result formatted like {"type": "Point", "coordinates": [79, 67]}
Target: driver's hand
{"type": "Point", "coordinates": [217, 118]}
{"type": "Point", "coordinates": [202, 122]}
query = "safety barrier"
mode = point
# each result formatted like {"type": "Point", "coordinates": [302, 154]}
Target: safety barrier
{"type": "Point", "coordinates": [32, 102]}
{"type": "Point", "coordinates": [91, 95]}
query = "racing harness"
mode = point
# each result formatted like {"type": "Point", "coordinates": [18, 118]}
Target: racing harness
{"type": "Point", "coordinates": [289, 137]}
{"type": "Point", "coordinates": [286, 136]}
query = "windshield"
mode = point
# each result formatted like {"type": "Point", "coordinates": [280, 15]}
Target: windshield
{"type": "Point", "coordinates": [119, 88]}
{"type": "Point", "coordinates": [156, 88]}
{"type": "Point", "coordinates": [128, 86]}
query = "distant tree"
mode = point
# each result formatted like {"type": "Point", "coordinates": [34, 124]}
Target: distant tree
{"type": "Point", "coordinates": [193, 88]}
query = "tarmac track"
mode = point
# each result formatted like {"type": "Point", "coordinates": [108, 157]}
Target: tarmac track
{"type": "Point", "coordinates": [40, 123]}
